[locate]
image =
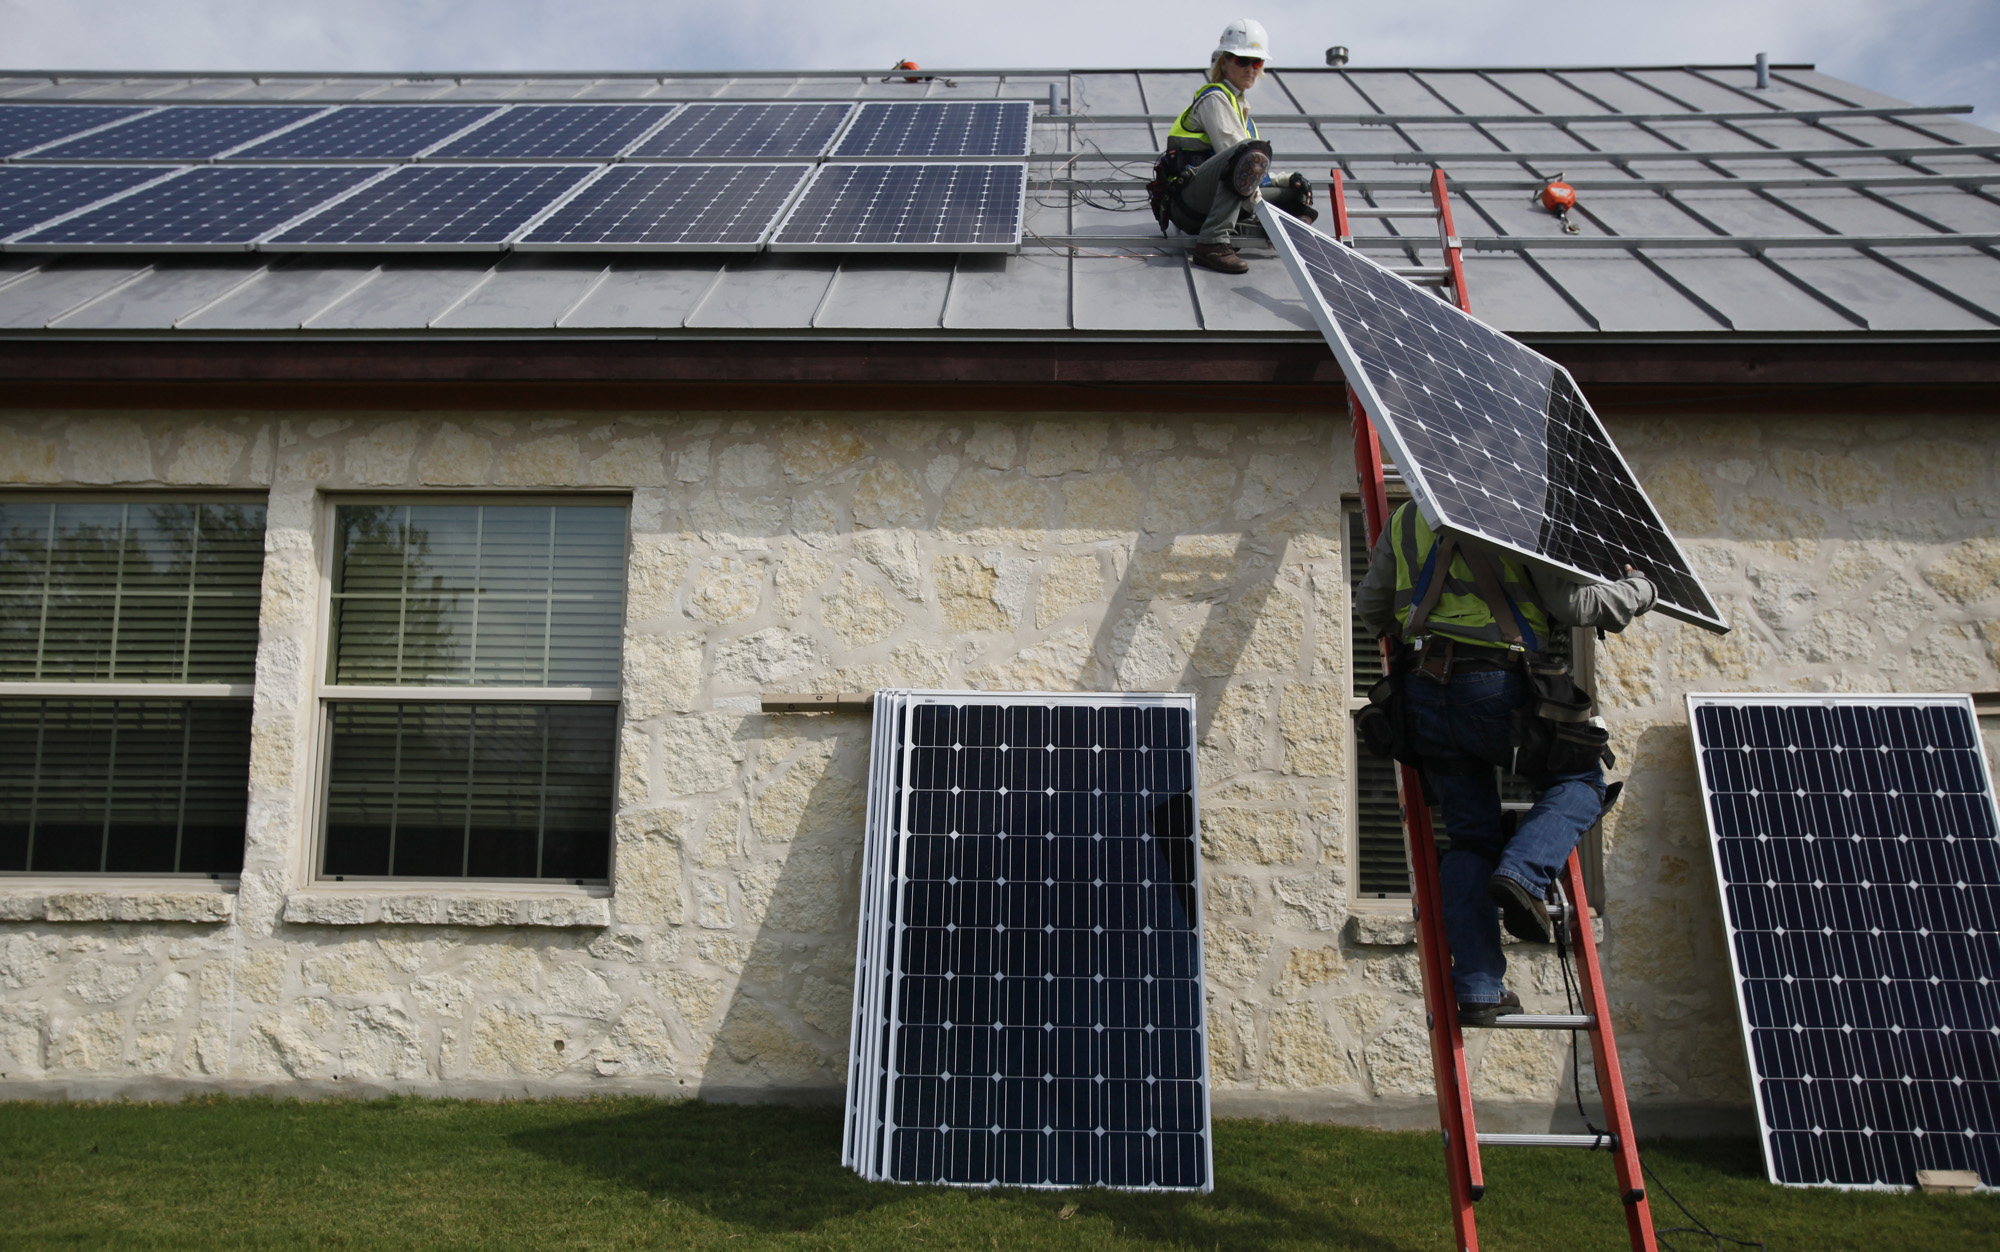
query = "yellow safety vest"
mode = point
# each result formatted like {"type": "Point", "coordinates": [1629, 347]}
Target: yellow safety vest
{"type": "Point", "coordinates": [1461, 613]}
{"type": "Point", "coordinates": [1183, 135]}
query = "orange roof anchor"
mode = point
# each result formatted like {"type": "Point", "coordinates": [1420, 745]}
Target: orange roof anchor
{"type": "Point", "coordinates": [1558, 197]}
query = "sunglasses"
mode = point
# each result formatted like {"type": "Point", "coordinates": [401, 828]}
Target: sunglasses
{"type": "Point", "coordinates": [1255, 63]}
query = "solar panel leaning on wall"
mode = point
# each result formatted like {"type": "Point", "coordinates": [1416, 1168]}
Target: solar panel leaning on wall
{"type": "Point", "coordinates": [1494, 440]}
{"type": "Point", "coordinates": [1857, 852]}
{"type": "Point", "coordinates": [1028, 979]}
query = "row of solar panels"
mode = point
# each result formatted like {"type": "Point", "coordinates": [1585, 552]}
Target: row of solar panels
{"type": "Point", "coordinates": [960, 207]}
{"type": "Point", "coordinates": [733, 131]}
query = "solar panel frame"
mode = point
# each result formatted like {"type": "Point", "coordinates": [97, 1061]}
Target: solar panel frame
{"type": "Point", "coordinates": [220, 184]}
{"type": "Point", "coordinates": [536, 236]}
{"type": "Point", "coordinates": [98, 183]}
{"type": "Point", "coordinates": [1973, 767]}
{"type": "Point", "coordinates": [435, 187]}
{"type": "Point", "coordinates": [478, 145]}
{"type": "Point", "coordinates": [834, 116]}
{"type": "Point", "coordinates": [883, 130]}
{"type": "Point", "coordinates": [1290, 236]}
{"type": "Point", "coordinates": [785, 239]}
{"type": "Point", "coordinates": [284, 147]}
{"type": "Point", "coordinates": [103, 115]}
{"type": "Point", "coordinates": [181, 141]}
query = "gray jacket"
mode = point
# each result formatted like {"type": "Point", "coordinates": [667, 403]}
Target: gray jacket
{"type": "Point", "coordinates": [1609, 606]}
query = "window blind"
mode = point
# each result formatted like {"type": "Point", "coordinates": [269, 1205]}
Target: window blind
{"type": "Point", "coordinates": [1383, 862]}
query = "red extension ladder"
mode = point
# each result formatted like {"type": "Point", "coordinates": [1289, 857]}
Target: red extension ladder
{"type": "Point", "coordinates": [1462, 1140]}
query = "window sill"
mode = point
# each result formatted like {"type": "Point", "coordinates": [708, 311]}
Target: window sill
{"type": "Point", "coordinates": [72, 902]}
{"type": "Point", "coordinates": [568, 907]}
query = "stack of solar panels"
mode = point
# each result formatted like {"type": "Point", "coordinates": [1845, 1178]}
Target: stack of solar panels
{"type": "Point", "coordinates": [717, 176]}
{"type": "Point", "coordinates": [1028, 1005]}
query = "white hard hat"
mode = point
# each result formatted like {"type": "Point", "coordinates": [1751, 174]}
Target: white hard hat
{"type": "Point", "coordinates": [1244, 37]}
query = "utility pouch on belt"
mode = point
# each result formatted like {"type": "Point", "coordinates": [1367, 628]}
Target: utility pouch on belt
{"type": "Point", "coordinates": [1168, 172]}
{"type": "Point", "coordinates": [1383, 725]}
{"type": "Point", "coordinates": [1552, 732]}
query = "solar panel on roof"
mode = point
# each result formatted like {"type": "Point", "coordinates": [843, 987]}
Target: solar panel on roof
{"type": "Point", "coordinates": [959, 208]}
{"type": "Point", "coordinates": [1029, 1007]}
{"type": "Point", "coordinates": [25, 126]}
{"type": "Point", "coordinates": [35, 193]}
{"type": "Point", "coordinates": [435, 206]}
{"type": "Point", "coordinates": [558, 132]}
{"type": "Point", "coordinates": [1494, 439]}
{"type": "Point", "coordinates": [1857, 851]}
{"type": "Point", "coordinates": [214, 206]}
{"type": "Point", "coordinates": [743, 132]}
{"type": "Point", "coordinates": [711, 207]}
{"type": "Point", "coordinates": [902, 130]}
{"type": "Point", "coordinates": [187, 132]}
{"type": "Point", "coordinates": [368, 132]}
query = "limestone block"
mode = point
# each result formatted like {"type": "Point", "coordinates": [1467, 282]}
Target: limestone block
{"type": "Point", "coordinates": [726, 590]}
{"type": "Point", "coordinates": [647, 867]}
{"type": "Point", "coordinates": [26, 459]}
{"type": "Point", "coordinates": [639, 1043]}
{"type": "Point", "coordinates": [908, 434]}
{"type": "Point", "coordinates": [720, 841]}
{"type": "Point", "coordinates": [746, 467]}
{"type": "Point", "coordinates": [261, 976]}
{"type": "Point", "coordinates": [818, 446]}
{"type": "Point", "coordinates": [1263, 630]}
{"type": "Point", "coordinates": [1697, 656]}
{"type": "Point", "coordinates": [1233, 956]}
{"type": "Point", "coordinates": [1840, 480]}
{"type": "Point", "coordinates": [1900, 608]}
{"type": "Point", "coordinates": [277, 1046]}
{"type": "Point", "coordinates": [1330, 627]}
{"type": "Point", "coordinates": [503, 966]}
{"type": "Point", "coordinates": [1228, 895]}
{"type": "Point", "coordinates": [711, 904]}
{"type": "Point", "coordinates": [1520, 1065]}
{"type": "Point", "coordinates": [24, 1031]}
{"type": "Point", "coordinates": [511, 1041]}
{"type": "Point", "coordinates": [691, 995]}
{"type": "Point", "coordinates": [939, 471]}
{"type": "Point", "coordinates": [1223, 1046]}
{"type": "Point", "coordinates": [167, 1001]}
{"type": "Point", "coordinates": [1100, 507]}
{"type": "Point", "coordinates": [1834, 636]}
{"type": "Point", "coordinates": [1214, 436]}
{"type": "Point", "coordinates": [993, 444]}
{"type": "Point", "coordinates": [1944, 662]}
{"type": "Point", "coordinates": [1301, 534]}
{"type": "Point", "coordinates": [888, 495]}
{"type": "Point", "coordinates": [825, 1006]}
{"type": "Point", "coordinates": [1234, 836]}
{"type": "Point", "coordinates": [808, 798]}
{"type": "Point", "coordinates": [1778, 595]}
{"type": "Point", "coordinates": [1628, 669]}
{"type": "Point", "coordinates": [1303, 1052]}
{"type": "Point", "coordinates": [1140, 438]}
{"type": "Point", "coordinates": [575, 990]}
{"type": "Point", "coordinates": [1141, 657]}
{"type": "Point", "coordinates": [1236, 732]}
{"type": "Point", "coordinates": [653, 579]}
{"type": "Point", "coordinates": [794, 578]}
{"type": "Point", "coordinates": [1684, 498]}
{"type": "Point", "coordinates": [690, 464]}
{"type": "Point", "coordinates": [816, 518]}
{"type": "Point", "coordinates": [1068, 582]}
{"type": "Point", "coordinates": [207, 1049]}
{"type": "Point", "coordinates": [859, 613]}
{"type": "Point", "coordinates": [770, 655]}
{"type": "Point", "coordinates": [638, 461]}
{"type": "Point", "coordinates": [441, 995]}
{"type": "Point", "coordinates": [1189, 493]}
{"type": "Point", "coordinates": [894, 552]}
{"type": "Point", "coordinates": [1313, 719]}
{"type": "Point", "coordinates": [756, 1039]}
{"type": "Point", "coordinates": [1776, 527]}
{"type": "Point", "coordinates": [968, 590]}
{"type": "Point", "coordinates": [1299, 430]}
{"type": "Point", "coordinates": [381, 1042]}
{"type": "Point", "coordinates": [350, 969]}
{"type": "Point", "coordinates": [108, 450]}
{"type": "Point", "coordinates": [1399, 1060]}
{"type": "Point", "coordinates": [989, 508]}
{"type": "Point", "coordinates": [140, 906]}
{"type": "Point", "coordinates": [1969, 573]}
{"type": "Point", "coordinates": [455, 458]}
{"type": "Point", "coordinates": [1192, 566]}
{"type": "Point", "coordinates": [729, 519]}
{"type": "Point", "coordinates": [1067, 446]}
{"type": "Point", "coordinates": [1315, 901]}
{"type": "Point", "coordinates": [93, 1043]}
{"type": "Point", "coordinates": [552, 461]}
{"type": "Point", "coordinates": [801, 895]}
{"type": "Point", "coordinates": [1936, 465]}
{"type": "Point", "coordinates": [95, 981]}
{"type": "Point", "coordinates": [1306, 968]}
{"type": "Point", "coordinates": [920, 665]}
{"type": "Point", "coordinates": [207, 456]}
{"type": "Point", "coordinates": [1061, 662]}
{"type": "Point", "coordinates": [1272, 482]}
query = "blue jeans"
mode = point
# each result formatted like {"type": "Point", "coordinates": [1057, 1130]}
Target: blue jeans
{"type": "Point", "coordinates": [1460, 729]}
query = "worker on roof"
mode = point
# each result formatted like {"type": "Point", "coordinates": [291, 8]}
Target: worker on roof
{"type": "Point", "coordinates": [1479, 693]}
{"type": "Point", "coordinates": [1215, 160]}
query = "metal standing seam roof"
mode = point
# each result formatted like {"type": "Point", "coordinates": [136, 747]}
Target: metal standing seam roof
{"type": "Point", "coordinates": [1709, 209]}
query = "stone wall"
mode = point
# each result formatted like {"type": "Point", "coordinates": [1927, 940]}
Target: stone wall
{"type": "Point", "coordinates": [773, 552]}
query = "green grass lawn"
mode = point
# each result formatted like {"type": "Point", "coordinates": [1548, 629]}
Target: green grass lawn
{"type": "Point", "coordinates": [634, 1173]}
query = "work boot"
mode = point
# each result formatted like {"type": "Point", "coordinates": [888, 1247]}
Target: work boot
{"type": "Point", "coordinates": [1484, 1014]}
{"type": "Point", "coordinates": [1521, 912]}
{"type": "Point", "coordinates": [1249, 173]}
{"type": "Point", "coordinates": [1221, 258]}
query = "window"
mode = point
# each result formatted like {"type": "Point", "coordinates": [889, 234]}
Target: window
{"type": "Point", "coordinates": [128, 645]}
{"type": "Point", "coordinates": [471, 690]}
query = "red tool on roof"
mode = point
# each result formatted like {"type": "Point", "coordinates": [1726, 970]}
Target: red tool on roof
{"type": "Point", "coordinates": [1558, 197]}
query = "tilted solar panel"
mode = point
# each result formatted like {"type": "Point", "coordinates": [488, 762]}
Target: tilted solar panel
{"type": "Point", "coordinates": [436, 206]}
{"type": "Point", "coordinates": [748, 131]}
{"type": "Point", "coordinates": [1031, 1009]}
{"type": "Point", "coordinates": [214, 206]}
{"type": "Point", "coordinates": [35, 193]}
{"type": "Point", "coordinates": [707, 207]}
{"type": "Point", "coordinates": [1857, 850]}
{"type": "Point", "coordinates": [368, 132]}
{"type": "Point", "coordinates": [908, 129]}
{"type": "Point", "coordinates": [25, 126]}
{"type": "Point", "coordinates": [558, 132]}
{"type": "Point", "coordinates": [955, 208]}
{"type": "Point", "coordinates": [183, 132]}
{"type": "Point", "coordinates": [1494, 439]}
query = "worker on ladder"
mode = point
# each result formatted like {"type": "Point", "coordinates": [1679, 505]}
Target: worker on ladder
{"type": "Point", "coordinates": [1215, 161]}
{"type": "Point", "coordinates": [1475, 695]}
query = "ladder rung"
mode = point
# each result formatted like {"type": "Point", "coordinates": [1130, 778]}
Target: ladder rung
{"type": "Point", "coordinates": [1547, 1141]}
{"type": "Point", "coordinates": [1430, 213]}
{"type": "Point", "coordinates": [1545, 1021]}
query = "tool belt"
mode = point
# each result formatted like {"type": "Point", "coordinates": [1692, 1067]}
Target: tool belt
{"type": "Point", "coordinates": [1169, 172]}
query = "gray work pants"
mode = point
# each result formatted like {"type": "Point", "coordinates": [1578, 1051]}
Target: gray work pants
{"type": "Point", "coordinates": [1206, 194]}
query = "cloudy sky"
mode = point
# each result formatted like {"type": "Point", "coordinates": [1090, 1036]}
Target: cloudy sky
{"type": "Point", "coordinates": [1927, 51]}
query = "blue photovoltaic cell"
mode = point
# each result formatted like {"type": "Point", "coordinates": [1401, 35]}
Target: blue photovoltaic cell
{"type": "Point", "coordinates": [24, 126]}
{"type": "Point", "coordinates": [368, 132]}
{"type": "Point", "coordinates": [36, 193]}
{"type": "Point", "coordinates": [439, 205]}
{"type": "Point", "coordinates": [214, 205]}
{"type": "Point", "coordinates": [709, 206]}
{"type": "Point", "coordinates": [187, 132]}
{"type": "Point", "coordinates": [1857, 849]}
{"type": "Point", "coordinates": [738, 132]}
{"type": "Point", "coordinates": [557, 132]}
{"type": "Point", "coordinates": [849, 207]}
{"type": "Point", "coordinates": [938, 128]}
